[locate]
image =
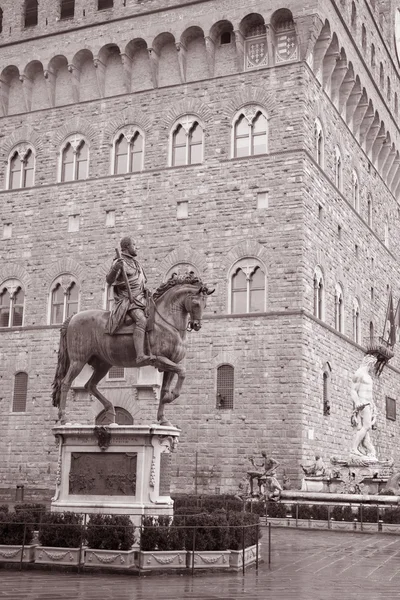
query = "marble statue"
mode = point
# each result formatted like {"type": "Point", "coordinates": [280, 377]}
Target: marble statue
{"type": "Point", "coordinates": [364, 410]}
{"type": "Point", "coordinates": [316, 469]}
{"type": "Point", "coordinates": [261, 471]}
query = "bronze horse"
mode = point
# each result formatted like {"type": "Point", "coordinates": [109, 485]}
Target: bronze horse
{"type": "Point", "coordinates": [178, 306]}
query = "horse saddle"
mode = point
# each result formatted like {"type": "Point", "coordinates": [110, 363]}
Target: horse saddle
{"type": "Point", "coordinates": [129, 326]}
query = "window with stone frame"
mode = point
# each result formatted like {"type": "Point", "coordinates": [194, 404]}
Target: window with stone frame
{"type": "Point", "coordinates": [355, 190]}
{"type": "Point", "coordinates": [12, 301]}
{"type": "Point", "coordinates": [339, 308]}
{"type": "Point", "coordinates": [338, 169]}
{"type": "Point", "coordinates": [390, 408]}
{"type": "Point", "coordinates": [326, 403]}
{"type": "Point", "coordinates": [247, 287]}
{"type": "Point", "coordinates": [250, 132]}
{"type": "Point", "coordinates": [31, 13]}
{"type": "Point", "coordinates": [369, 210]}
{"type": "Point", "coordinates": [64, 299]}
{"type": "Point", "coordinates": [187, 142]}
{"type": "Point", "coordinates": [319, 294]}
{"type": "Point", "coordinates": [74, 159]}
{"type": "Point", "coordinates": [225, 386]}
{"type": "Point", "coordinates": [67, 9]}
{"type": "Point", "coordinates": [128, 151]}
{"type": "Point", "coordinates": [116, 373]}
{"type": "Point", "coordinates": [356, 321]}
{"type": "Point", "coordinates": [21, 168]}
{"type": "Point", "coordinates": [181, 269]}
{"type": "Point", "coordinates": [20, 392]}
{"type": "Point", "coordinates": [319, 143]}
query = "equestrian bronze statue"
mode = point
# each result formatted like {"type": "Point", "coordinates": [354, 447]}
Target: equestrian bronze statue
{"type": "Point", "coordinates": [105, 339]}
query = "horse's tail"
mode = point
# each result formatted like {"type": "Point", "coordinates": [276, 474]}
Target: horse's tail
{"type": "Point", "coordinates": [62, 364]}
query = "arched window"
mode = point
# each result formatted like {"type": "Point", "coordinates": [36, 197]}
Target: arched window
{"type": "Point", "coordinates": [31, 13]}
{"type": "Point", "coordinates": [20, 392]}
{"type": "Point", "coordinates": [339, 309]}
{"type": "Point", "coordinates": [21, 168]}
{"type": "Point", "coordinates": [319, 294]}
{"type": "Point", "coordinates": [64, 299]}
{"type": "Point", "coordinates": [187, 142]}
{"type": "Point", "coordinates": [12, 299]}
{"type": "Point", "coordinates": [225, 386]}
{"type": "Point", "coordinates": [389, 89]}
{"type": "Point", "coordinates": [319, 142]}
{"type": "Point", "coordinates": [250, 133]}
{"type": "Point", "coordinates": [74, 159]}
{"type": "Point", "coordinates": [355, 191]}
{"type": "Point", "coordinates": [338, 169]}
{"type": "Point", "coordinates": [247, 287]}
{"type": "Point", "coordinates": [356, 321]}
{"type": "Point", "coordinates": [381, 77]}
{"type": "Point", "coordinates": [67, 9]}
{"type": "Point", "coordinates": [129, 152]}
{"type": "Point", "coordinates": [369, 210]}
{"type": "Point", "coordinates": [373, 62]}
{"type": "Point", "coordinates": [387, 238]}
{"type": "Point", "coordinates": [122, 417]}
{"type": "Point", "coordinates": [353, 15]}
{"type": "Point", "coordinates": [371, 332]}
{"type": "Point", "coordinates": [225, 38]}
{"type": "Point", "coordinates": [364, 38]}
{"type": "Point", "coordinates": [326, 401]}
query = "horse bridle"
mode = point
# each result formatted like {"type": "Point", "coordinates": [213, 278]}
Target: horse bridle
{"type": "Point", "coordinates": [188, 328]}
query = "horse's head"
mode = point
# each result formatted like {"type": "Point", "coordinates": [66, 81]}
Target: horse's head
{"type": "Point", "coordinates": [195, 305]}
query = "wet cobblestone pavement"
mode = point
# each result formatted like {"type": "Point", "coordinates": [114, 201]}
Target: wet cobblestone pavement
{"type": "Point", "coordinates": [306, 565]}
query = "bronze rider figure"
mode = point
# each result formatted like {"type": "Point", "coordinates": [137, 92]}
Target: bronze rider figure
{"type": "Point", "coordinates": [132, 305]}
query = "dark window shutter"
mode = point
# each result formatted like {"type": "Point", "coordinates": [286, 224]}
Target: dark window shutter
{"type": "Point", "coordinates": [20, 392]}
{"type": "Point", "coordinates": [225, 386]}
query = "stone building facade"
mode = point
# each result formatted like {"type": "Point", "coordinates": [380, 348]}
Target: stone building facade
{"type": "Point", "coordinates": [253, 143]}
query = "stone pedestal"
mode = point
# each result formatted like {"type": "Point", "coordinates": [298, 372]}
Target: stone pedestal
{"type": "Point", "coordinates": [114, 470]}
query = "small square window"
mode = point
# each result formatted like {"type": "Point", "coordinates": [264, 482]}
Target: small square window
{"type": "Point", "coordinates": [110, 218]}
{"type": "Point", "coordinates": [73, 223]}
{"type": "Point", "coordinates": [390, 408]}
{"type": "Point", "coordinates": [182, 210]}
{"type": "Point", "coordinates": [262, 200]}
{"type": "Point", "coordinates": [7, 231]}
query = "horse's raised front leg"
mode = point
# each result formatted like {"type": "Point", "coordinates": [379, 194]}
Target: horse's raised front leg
{"type": "Point", "coordinates": [100, 370]}
{"type": "Point", "coordinates": [167, 395]}
{"type": "Point", "coordinates": [74, 369]}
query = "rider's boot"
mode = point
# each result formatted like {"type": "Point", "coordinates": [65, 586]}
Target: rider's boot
{"type": "Point", "coordinates": [138, 341]}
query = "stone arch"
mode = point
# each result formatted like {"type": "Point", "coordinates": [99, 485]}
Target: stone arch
{"type": "Point", "coordinates": [139, 66]}
{"type": "Point", "coordinates": [184, 254]}
{"type": "Point", "coordinates": [64, 265]}
{"type": "Point", "coordinates": [321, 46]}
{"type": "Point", "coordinates": [128, 117]}
{"type": "Point", "coordinates": [78, 126]}
{"type": "Point", "coordinates": [329, 62]}
{"type": "Point", "coordinates": [251, 95]}
{"type": "Point", "coordinates": [166, 56]}
{"type": "Point", "coordinates": [194, 45]}
{"type": "Point", "coordinates": [252, 23]}
{"type": "Point", "coordinates": [190, 106]}
{"type": "Point", "coordinates": [37, 93]}
{"type": "Point", "coordinates": [223, 55]}
{"type": "Point", "coordinates": [119, 396]}
{"type": "Point", "coordinates": [84, 70]}
{"type": "Point", "coordinates": [61, 80]}
{"type": "Point", "coordinates": [24, 135]}
{"type": "Point", "coordinates": [109, 61]}
{"type": "Point", "coordinates": [12, 92]}
{"type": "Point", "coordinates": [243, 249]}
{"type": "Point", "coordinates": [15, 271]}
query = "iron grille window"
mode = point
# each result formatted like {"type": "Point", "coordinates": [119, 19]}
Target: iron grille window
{"type": "Point", "coordinates": [20, 392]}
{"type": "Point", "coordinates": [122, 417]}
{"type": "Point", "coordinates": [67, 9]}
{"type": "Point", "coordinates": [116, 373]}
{"type": "Point", "coordinates": [31, 13]}
{"type": "Point", "coordinates": [101, 4]}
{"type": "Point", "coordinates": [225, 386]}
{"type": "Point", "coordinates": [390, 408]}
